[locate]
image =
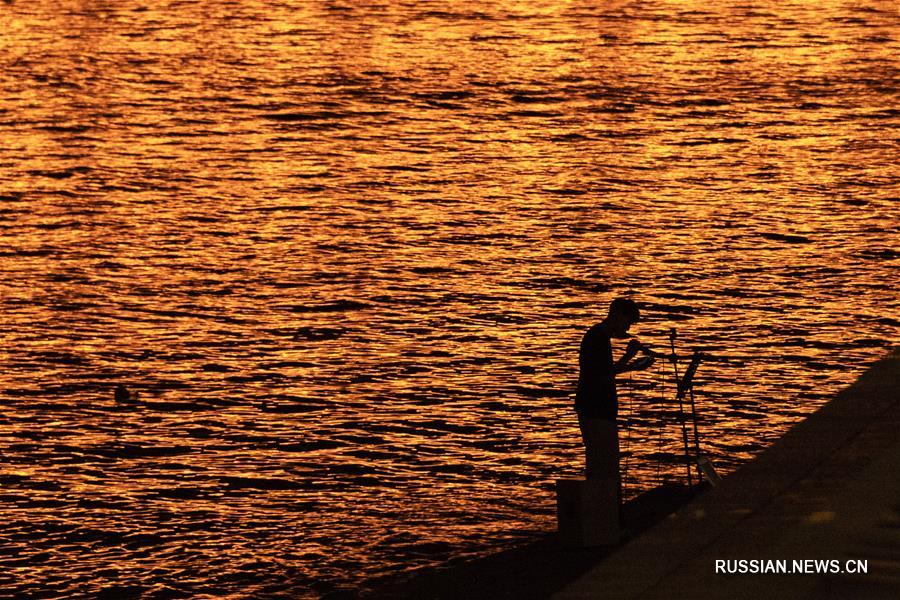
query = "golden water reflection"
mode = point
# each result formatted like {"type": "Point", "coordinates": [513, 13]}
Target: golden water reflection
{"type": "Point", "coordinates": [346, 254]}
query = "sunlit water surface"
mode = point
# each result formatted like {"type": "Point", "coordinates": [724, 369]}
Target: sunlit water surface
{"type": "Point", "coordinates": [345, 251]}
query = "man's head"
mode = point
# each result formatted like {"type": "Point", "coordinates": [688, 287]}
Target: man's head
{"type": "Point", "coordinates": [623, 313]}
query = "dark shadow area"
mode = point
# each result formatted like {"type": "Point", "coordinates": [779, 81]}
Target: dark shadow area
{"type": "Point", "coordinates": [532, 571]}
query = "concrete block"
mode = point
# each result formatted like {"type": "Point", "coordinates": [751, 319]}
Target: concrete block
{"type": "Point", "coordinates": [587, 511]}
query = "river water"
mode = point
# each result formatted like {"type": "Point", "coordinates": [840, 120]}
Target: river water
{"type": "Point", "coordinates": [345, 251]}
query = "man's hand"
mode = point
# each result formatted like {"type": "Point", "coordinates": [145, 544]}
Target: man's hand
{"type": "Point", "coordinates": [642, 363]}
{"type": "Point", "coordinates": [625, 363]}
{"type": "Point", "coordinates": [633, 347]}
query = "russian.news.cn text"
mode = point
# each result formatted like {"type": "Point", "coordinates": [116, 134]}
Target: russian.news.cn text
{"type": "Point", "coordinates": [791, 567]}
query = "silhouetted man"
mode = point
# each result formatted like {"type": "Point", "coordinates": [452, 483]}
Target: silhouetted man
{"type": "Point", "coordinates": [596, 401]}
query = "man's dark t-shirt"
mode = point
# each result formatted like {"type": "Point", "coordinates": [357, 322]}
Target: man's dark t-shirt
{"type": "Point", "coordinates": [596, 396]}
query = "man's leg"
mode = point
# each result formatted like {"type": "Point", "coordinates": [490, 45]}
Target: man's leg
{"type": "Point", "coordinates": [601, 452]}
{"type": "Point", "coordinates": [591, 446]}
{"type": "Point", "coordinates": [608, 432]}
{"type": "Point", "coordinates": [601, 447]}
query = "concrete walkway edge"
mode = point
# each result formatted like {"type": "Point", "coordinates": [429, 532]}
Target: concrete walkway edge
{"type": "Point", "coordinates": [816, 493]}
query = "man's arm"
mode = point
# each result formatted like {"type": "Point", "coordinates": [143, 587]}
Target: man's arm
{"type": "Point", "coordinates": [624, 365]}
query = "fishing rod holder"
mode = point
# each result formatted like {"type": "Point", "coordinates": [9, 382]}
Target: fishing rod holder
{"type": "Point", "coordinates": [684, 386]}
{"type": "Point", "coordinates": [685, 391]}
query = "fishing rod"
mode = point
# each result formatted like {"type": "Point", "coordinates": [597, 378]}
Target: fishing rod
{"type": "Point", "coordinates": [686, 388]}
{"type": "Point", "coordinates": [704, 465]}
{"type": "Point", "coordinates": [680, 398]}
{"type": "Point", "coordinates": [627, 445]}
{"type": "Point", "coordinates": [662, 398]}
